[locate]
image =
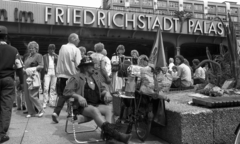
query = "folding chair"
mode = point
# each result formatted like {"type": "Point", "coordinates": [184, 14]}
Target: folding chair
{"type": "Point", "coordinates": [81, 120]}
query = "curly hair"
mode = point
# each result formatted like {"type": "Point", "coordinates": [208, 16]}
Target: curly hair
{"type": "Point", "coordinates": [34, 44]}
{"type": "Point", "coordinates": [135, 51]}
{"type": "Point", "coordinates": [98, 47]}
{"type": "Point", "coordinates": [120, 47]}
{"type": "Point", "coordinates": [82, 49]}
{"type": "Point", "coordinates": [181, 58]}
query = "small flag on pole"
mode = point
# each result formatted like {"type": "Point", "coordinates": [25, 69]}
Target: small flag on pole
{"type": "Point", "coordinates": [180, 5]}
{"type": "Point", "coordinates": [155, 5]}
{"type": "Point", "coordinates": [228, 7]}
{"type": "Point", "coordinates": [127, 3]}
{"type": "Point", "coordinates": [205, 3]}
{"type": "Point", "coordinates": [157, 56]}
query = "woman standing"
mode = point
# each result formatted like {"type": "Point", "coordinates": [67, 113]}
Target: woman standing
{"type": "Point", "coordinates": [32, 65]}
{"type": "Point", "coordinates": [117, 82]}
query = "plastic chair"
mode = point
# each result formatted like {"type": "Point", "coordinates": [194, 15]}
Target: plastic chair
{"type": "Point", "coordinates": [81, 120]}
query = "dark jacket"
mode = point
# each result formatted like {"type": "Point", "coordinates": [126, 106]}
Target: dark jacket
{"type": "Point", "coordinates": [46, 62]}
{"type": "Point", "coordinates": [76, 84]}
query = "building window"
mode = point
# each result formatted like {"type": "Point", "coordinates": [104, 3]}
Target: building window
{"type": "Point", "coordinates": [135, 9]}
{"type": "Point", "coordinates": [118, 1]}
{"type": "Point", "coordinates": [162, 4]}
{"type": "Point", "coordinates": [118, 8]}
{"type": "Point", "coordinates": [162, 12]}
{"type": "Point", "coordinates": [211, 9]}
{"type": "Point", "coordinates": [198, 7]}
{"type": "Point", "coordinates": [234, 18]}
{"type": "Point", "coordinates": [199, 16]}
{"type": "Point", "coordinates": [187, 6]}
{"type": "Point", "coordinates": [147, 10]}
{"type": "Point", "coordinates": [172, 13]}
{"type": "Point", "coordinates": [221, 9]}
{"type": "Point", "coordinates": [147, 2]}
{"type": "Point", "coordinates": [222, 17]}
{"type": "Point", "coordinates": [234, 10]}
{"type": "Point", "coordinates": [210, 16]}
{"type": "Point", "coordinates": [136, 2]}
{"type": "Point", "coordinates": [173, 4]}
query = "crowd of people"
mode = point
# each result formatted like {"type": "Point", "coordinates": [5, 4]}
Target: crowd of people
{"type": "Point", "coordinates": [87, 76]}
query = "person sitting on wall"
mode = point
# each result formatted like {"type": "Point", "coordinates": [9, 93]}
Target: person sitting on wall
{"type": "Point", "coordinates": [199, 75]}
{"type": "Point", "coordinates": [184, 77]}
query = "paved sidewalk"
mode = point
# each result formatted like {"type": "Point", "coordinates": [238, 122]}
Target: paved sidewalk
{"type": "Point", "coordinates": [43, 131]}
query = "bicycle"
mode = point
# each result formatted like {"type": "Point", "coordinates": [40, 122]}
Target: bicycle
{"type": "Point", "coordinates": [237, 133]}
{"type": "Point", "coordinates": [142, 107]}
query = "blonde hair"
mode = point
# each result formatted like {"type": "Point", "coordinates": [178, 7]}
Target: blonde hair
{"type": "Point", "coordinates": [33, 43]}
{"type": "Point", "coordinates": [134, 51]}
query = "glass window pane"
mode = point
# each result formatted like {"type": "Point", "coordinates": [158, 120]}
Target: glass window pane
{"type": "Point", "coordinates": [221, 9]}
{"type": "Point", "coordinates": [187, 6]}
{"type": "Point", "coordinates": [198, 7]}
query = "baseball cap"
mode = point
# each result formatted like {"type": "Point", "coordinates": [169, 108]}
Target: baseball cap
{"type": "Point", "coordinates": [3, 30]}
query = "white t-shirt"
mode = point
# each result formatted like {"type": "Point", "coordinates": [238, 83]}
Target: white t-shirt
{"type": "Point", "coordinates": [184, 72]}
{"type": "Point", "coordinates": [68, 60]}
{"type": "Point", "coordinates": [170, 66]}
{"type": "Point", "coordinates": [51, 62]}
{"type": "Point", "coordinates": [108, 65]}
{"type": "Point", "coordinates": [199, 73]}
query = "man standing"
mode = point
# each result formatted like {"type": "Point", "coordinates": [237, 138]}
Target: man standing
{"type": "Point", "coordinates": [68, 61]}
{"type": "Point", "coordinates": [9, 61]}
{"type": "Point", "coordinates": [50, 62]}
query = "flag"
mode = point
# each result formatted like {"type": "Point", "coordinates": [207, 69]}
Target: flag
{"type": "Point", "coordinates": [205, 4]}
{"type": "Point", "coordinates": [127, 3]}
{"type": "Point", "coordinates": [180, 5]}
{"type": "Point", "coordinates": [157, 56]}
{"type": "Point", "coordinates": [228, 7]}
{"type": "Point", "coordinates": [155, 5]}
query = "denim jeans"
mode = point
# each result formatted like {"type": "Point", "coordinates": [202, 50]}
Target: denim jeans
{"type": "Point", "coordinates": [7, 96]}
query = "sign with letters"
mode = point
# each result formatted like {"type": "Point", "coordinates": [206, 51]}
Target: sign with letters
{"type": "Point", "coordinates": [110, 19]}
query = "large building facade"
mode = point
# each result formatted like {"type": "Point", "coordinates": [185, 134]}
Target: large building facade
{"type": "Point", "coordinates": [134, 27]}
{"type": "Point", "coordinates": [168, 7]}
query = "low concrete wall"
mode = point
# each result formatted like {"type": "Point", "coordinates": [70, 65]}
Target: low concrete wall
{"type": "Point", "coordinates": [187, 124]}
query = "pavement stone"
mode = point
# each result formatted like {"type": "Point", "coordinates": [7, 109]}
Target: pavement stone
{"type": "Point", "coordinates": [43, 131]}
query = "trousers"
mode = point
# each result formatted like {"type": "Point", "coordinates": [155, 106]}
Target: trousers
{"type": "Point", "coordinates": [7, 96]}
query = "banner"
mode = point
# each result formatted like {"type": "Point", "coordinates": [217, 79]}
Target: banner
{"type": "Point", "coordinates": [127, 3]}
{"type": "Point", "coordinates": [228, 7]}
{"type": "Point", "coordinates": [180, 5]}
{"type": "Point", "coordinates": [155, 6]}
{"type": "Point", "coordinates": [205, 4]}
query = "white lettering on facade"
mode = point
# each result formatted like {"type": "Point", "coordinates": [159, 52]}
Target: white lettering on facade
{"type": "Point", "coordinates": [175, 24]}
{"type": "Point", "coordinates": [212, 29]}
{"type": "Point", "coordinates": [157, 23]}
{"type": "Point", "coordinates": [165, 21]}
{"type": "Point", "coordinates": [109, 19]}
{"type": "Point", "coordinates": [68, 15]}
{"type": "Point", "coordinates": [47, 13]}
{"type": "Point", "coordinates": [205, 31]}
{"type": "Point", "coordinates": [220, 27]}
{"type": "Point", "coordinates": [76, 16]}
{"type": "Point", "coordinates": [190, 26]}
{"type": "Point", "coordinates": [141, 21]}
{"type": "Point", "coordinates": [198, 27]}
{"type": "Point", "coordinates": [114, 19]}
{"type": "Point", "coordinates": [59, 14]}
{"type": "Point", "coordinates": [133, 20]}
{"type": "Point", "coordinates": [149, 21]}
{"type": "Point", "coordinates": [85, 17]}
{"type": "Point", "coordinates": [101, 18]}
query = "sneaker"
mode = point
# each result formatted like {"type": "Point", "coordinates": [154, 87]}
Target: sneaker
{"type": "Point", "coordinates": [44, 106]}
{"type": "Point", "coordinates": [4, 139]}
{"type": "Point", "coordinates": [40, 114]}
{"type": "Point", "coordinates": [55, 117]}
{"type": "Point", "coordinates": [30, 115]}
